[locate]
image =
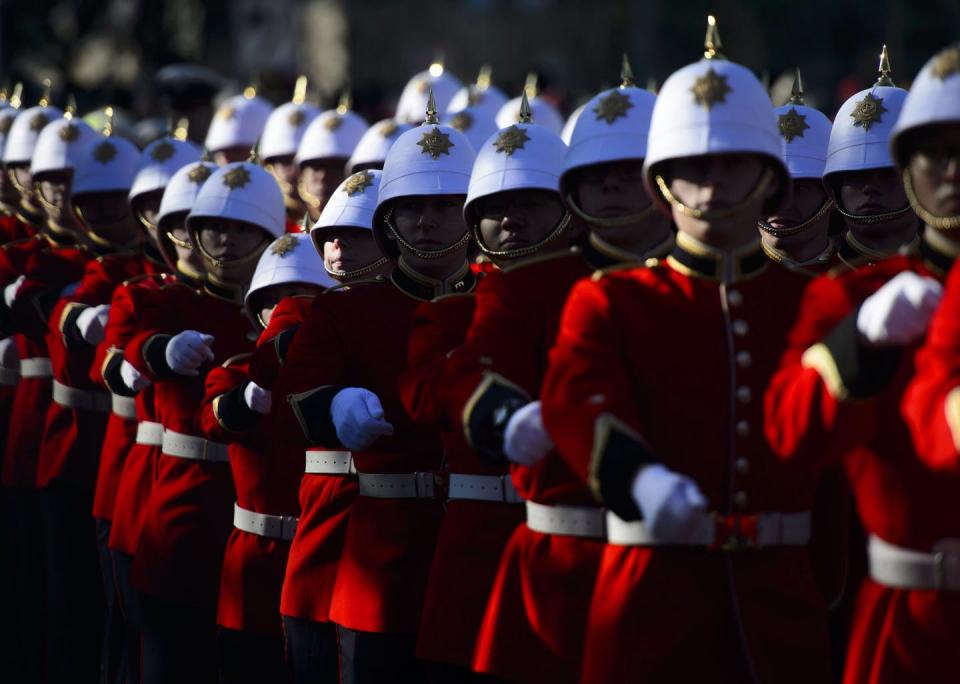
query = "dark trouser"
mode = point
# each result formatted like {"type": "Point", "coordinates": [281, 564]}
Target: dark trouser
{"type": "Point", "coordinates": [311, 650]}
{"type": "Point", "coordinates": [24, 603]}
{"type": "Point", "coordinates": [447, 673]}
{"type": "Point", "coordinates": [179, 643]}
{"type": "Point", "coordinates": [74, 592]}
{"type": "Point", "coordinates": [250, 658]}
{"type": "Point", "coordinates": [372, 658]}
{"type": "Point", "coordinates": [111, 650]}
{"type": "Point", "coordinates": [128, 600]}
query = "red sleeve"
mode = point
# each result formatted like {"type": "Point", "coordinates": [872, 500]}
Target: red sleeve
{"type": "Point", "coordinates": [47, 273]}
{"type": "Point", "coordinates": [274, 341]}
{"type": "Point", "coordinates": [219, 382]}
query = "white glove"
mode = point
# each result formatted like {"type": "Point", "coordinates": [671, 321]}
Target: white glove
{"type": "Point", "coordinates": [898, 313]}
{"type": "Point", "coordinates": [526, 441]}
{"type": "Point", "coordinates": [9, 358]}
{"type": "Point", "coordinates": [358, 418]}
{"type": "Point", "coordinates": [187, 350]}
{"type": "Point", "coordinates": [672, 505]}
{"type": "Point", "coordinates": [133, 378]}
{"type": "Point", "coordinates": [92, 321]}
{"type": "Point", "coordinates": [257, 398]}
{"type": "Point", "coordinates": [10, 291]}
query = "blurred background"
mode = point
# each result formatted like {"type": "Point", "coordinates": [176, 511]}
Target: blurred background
{"type": "Point", "coordinates": [111, 50]}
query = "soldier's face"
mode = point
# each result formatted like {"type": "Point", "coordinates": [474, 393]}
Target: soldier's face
{"type": "Point", "coordinates": [320, 179]}
{"type": "Point", "coordinates": [518, 219]}
{"type": "Point", "coordinates": [229, 240]}
{"type": "Point", "coordinates": [175, 227]}
{"type": "Point", "coordinates": [723, 183]}
{"type": "Point", "coordinates": [287, 174]}
{"type": "Point", "coordinates": [807, 198]}
{"type": "Point", "coordinates": [430, 223]}
{"type": "Point", "coordinates": [874, 191]}
{"type": "Point", "coordinates": [935, 169]}
{"type": "Point", "coordinates": [108, 216]}
{"type": "Point", "coordinates": [228, 155]}
{"type": "Point", "coordinates": [273, 295]}
{"type": "Point", "coordinates": [611, 190]}
{"type": "Point", "coordinates": [146, 208]}
{"type": "Point", "coordinates": [9, 196]}
{"type": "Point", "coordinates": [349, 249]}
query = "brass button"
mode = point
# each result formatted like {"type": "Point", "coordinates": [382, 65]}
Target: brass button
{"type": "Point", "coordinates": [744, 359]}
{"type": "Point", "coordinates": [744, 395]}
{"type": "Point", "coordinates": [735, 298]}
{"type": "Point", "coordinates": [743, 428]}
{"type": "Point", "coordinates": [740, 499]}
{"type": "Point", "coordinates": [743, 466]}
{"type": "Point", "coordinates": [740, 327]}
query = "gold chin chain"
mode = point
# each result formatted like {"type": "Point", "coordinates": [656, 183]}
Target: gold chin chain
{"type": "Point", "coordinates": [869, 219]}
{"type": "Point", "coordinates": [422, 253]}
{"type": "Point", "coordinates": [715, 214]}
{"type": "Point", "coordinates": [799, 227]}
{"type": "Point", "coordinates": [612, 222]}
{"type": "Point", "coordinates": [310, 199]}
{"type": "Point", "coordinates": [932, 220]}
{"type": "Point", "coordinates": [344, 276]}
{"type": "Point", "coordinates": [523, 251]}
{"type": "Point", "coordinates": [229, 263]}
{"type": "Point", "coordinates": [781, 257]}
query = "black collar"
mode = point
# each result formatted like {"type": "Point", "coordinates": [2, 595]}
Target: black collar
{"type": "Point", "coordinates": [937, 252]}
{"type": "Point", "coordinates": [600, 254]}
{"type": "Point", "coordinates": [425, 288]}
{"type": "Point", "coordinates": [694, 258]}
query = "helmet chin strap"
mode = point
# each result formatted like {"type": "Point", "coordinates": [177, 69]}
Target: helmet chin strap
{"type": "Point", "coordinates": [423, 253]}
{"type": "Point", "coordinates": [928, 217]}
{"type": "Point", "coordinates": [870, 219]}
{"type": "Point", "coordinates": [344, 276]}
{"type": "Point", "coordinates": [557, 231]}
{"type": "Point", "coordinates": [716, 214]}
{"type": "Point", "coordinates": [229, 263]}
{"type": "Point", "coordinates": [309, 198]}
{"type": "Point", "coordinates": [827, 205]}
{"type": "Point", "coordinates": [612, 221]}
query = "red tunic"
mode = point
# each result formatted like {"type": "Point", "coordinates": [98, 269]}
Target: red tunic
{"type": "Point", "coordinates": [190, 512]}
{"type": "Point", "coordinates": [73, 437]}
{"type": "Point", "coordinates": [474, 533]}
{"type": "Point", "coordinates": [358, 338]}
{"type": "Point", "coordinates": [897, 635]}
{"type": "Point", "coordinates": [266, 476]}
{"type": "Point", "coordinates": [669, 364]}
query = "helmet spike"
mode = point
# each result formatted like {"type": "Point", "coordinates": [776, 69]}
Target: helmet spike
{"type": "Point", "coordinates": [45, 97]}
{"type": "Point", "coordinates": [796, 93]}
{"type": "Point", "coordinates": [183, 127]}
{"type": "Point", "coordinates": [108, 122]}
{"type": "Point", "coordinates": [526, 116]}
{"type": "Point", "coordinates": [300, 90]}
{"type": "Point", "coordinates": [712, 44]}
{"type": "Point", "coordinates": [71, 109]}
{"type": "Point", "coordinates": [485, 77]}
{"type": "Point", "coordinates": [346, 102]}
{"type": "Point", "coordinates": [16, 99]}
{"type": "Point", "coordinates": [884, 70]}
{"type": "Point", "coordinates": [531, 85]}
{"type": "Point", "coordinates": [626, 73]}
{"type": "Point", "coordinates": [431, 110]}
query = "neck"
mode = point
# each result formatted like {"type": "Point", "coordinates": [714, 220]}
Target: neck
{"type": "Point", "coordinates": [803, 248]}
{"type": "Point", "coordinates": [885, 237]}
{"type": "Point", "coordinates": [638, 242]}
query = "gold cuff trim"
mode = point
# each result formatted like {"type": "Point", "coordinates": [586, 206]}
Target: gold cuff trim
{"type": "Point", "coordinates": [146, 352]}
{"type": "Point", "coordinates": [604, 425]}
{"type": "Point", "coordinates": [951, 407]}
{"type": "Point", "coordinates": [489, 380]}
{"type": "Point", "coordinates": [65, 314]}
{"type": "Point", "coordinates": [819, 358]}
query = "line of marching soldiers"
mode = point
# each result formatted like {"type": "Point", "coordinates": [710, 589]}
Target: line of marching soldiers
{"type": "Point", "coordinates": [514, 409]}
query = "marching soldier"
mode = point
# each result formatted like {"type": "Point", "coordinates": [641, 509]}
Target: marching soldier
{"type": "Point", "coordinates": [340, 379]}
{"type": "Point", "coordinates": [326, 146]}
{"type": "Point", "coordinates": [278, 145]}
{"type": "Point", "coordinates": [706, 531]}
{"type": "Point", "coordinates": [236, 127]}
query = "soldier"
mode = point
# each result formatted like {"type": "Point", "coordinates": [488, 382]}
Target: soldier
{"type": "Point", "coordinates": [266, 477]}
{"type": "Point", "coordinates": [177, 561]}
{"type": "Point", "coordinates": [11, 227]}
{"type": "Point", "coordinates": [686, 477]}
{"type": "Point", "coordinates": [372, 149]}
{"type": "Point", "coordinates": [543, 111]}
{"type": "Point", "coordinates": [602, 180]}
{"type": "Point", "coordinates": [516, 215]}
{"type": "Point", "coordinates": [236, 127]}
{"type": "Point", "coordinates": [481, 95]}
{"type": "Point", "coordinates": [323, 153]}
{"type": "Point", "coordinates": [861, 179]}
{"type": "Point", "coordinates": [799, 237]}
{"type": "Point", "coordinates": [278, 144]}
{"type": "Point", "coordinates": [340, 380]}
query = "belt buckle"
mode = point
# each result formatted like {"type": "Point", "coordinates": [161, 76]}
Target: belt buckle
{"type": "Point", "coordinates": [203, 451]}
{"type": "Point", "coordinates": [734, 532]}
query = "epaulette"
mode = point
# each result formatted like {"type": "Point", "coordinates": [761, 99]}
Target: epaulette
{"type": "Point", "coordinates": [144, 276]}
{"type": "Point", "coordinates": [18, 242]}
{"type": "Point", "coordinates": [628, 266]}
{"type": "Point", "coordinates": [537, 258]}
{"type": "Point", "coordinates": [343, 287]}
{"type": "Point", "coordinates": [234, 360]}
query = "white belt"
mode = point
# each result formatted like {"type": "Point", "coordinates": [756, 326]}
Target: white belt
{"type": "Point", "coordinates": [9, 376]}
{"type": "Point", "coordinates": [900, 568]}
{"type": "Point", "coordinates": [420, 485]}
{"type": "Point", "coordinates": [737, 532]}
{"type": "Point", "coordinates": [483, 488]}
{"type": "Point", "coordinates": [125, 407]}
{"type": "Point", "coordinates": [74, 398]}
{"type": "Point", "coordinates": [330, 463]}
{"type": "Point", "coordinates": [195, 448]}
{"type": "Point", "coordinates": [263, 524]}
{"type": "Point", "coordinates": [150, 434]}
{"type": "Point", "coordinates": [36, 368]}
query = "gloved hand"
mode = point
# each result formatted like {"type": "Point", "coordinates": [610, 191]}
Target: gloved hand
{"type": "Point", "coordinates": [186, 351]}
{"type": "Point", "coordinates": [257, 398]}
{"type": "Point", "coordinates": [358, 418]}
{"type": "Point", "coordinates": [10, 291]}
{"type": "Point", "coordinates": [9, 358]}
{"type": "Point", "coordinates": [898, 313]}
{"type": "Point", "coordinates": [525, 439]}
{"type": "Point", "coordinates": [92, 321]}
{"type": "Point", "coordinates": [672, 505]}
{"type": "Point", "coordinates": [133, 378]}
